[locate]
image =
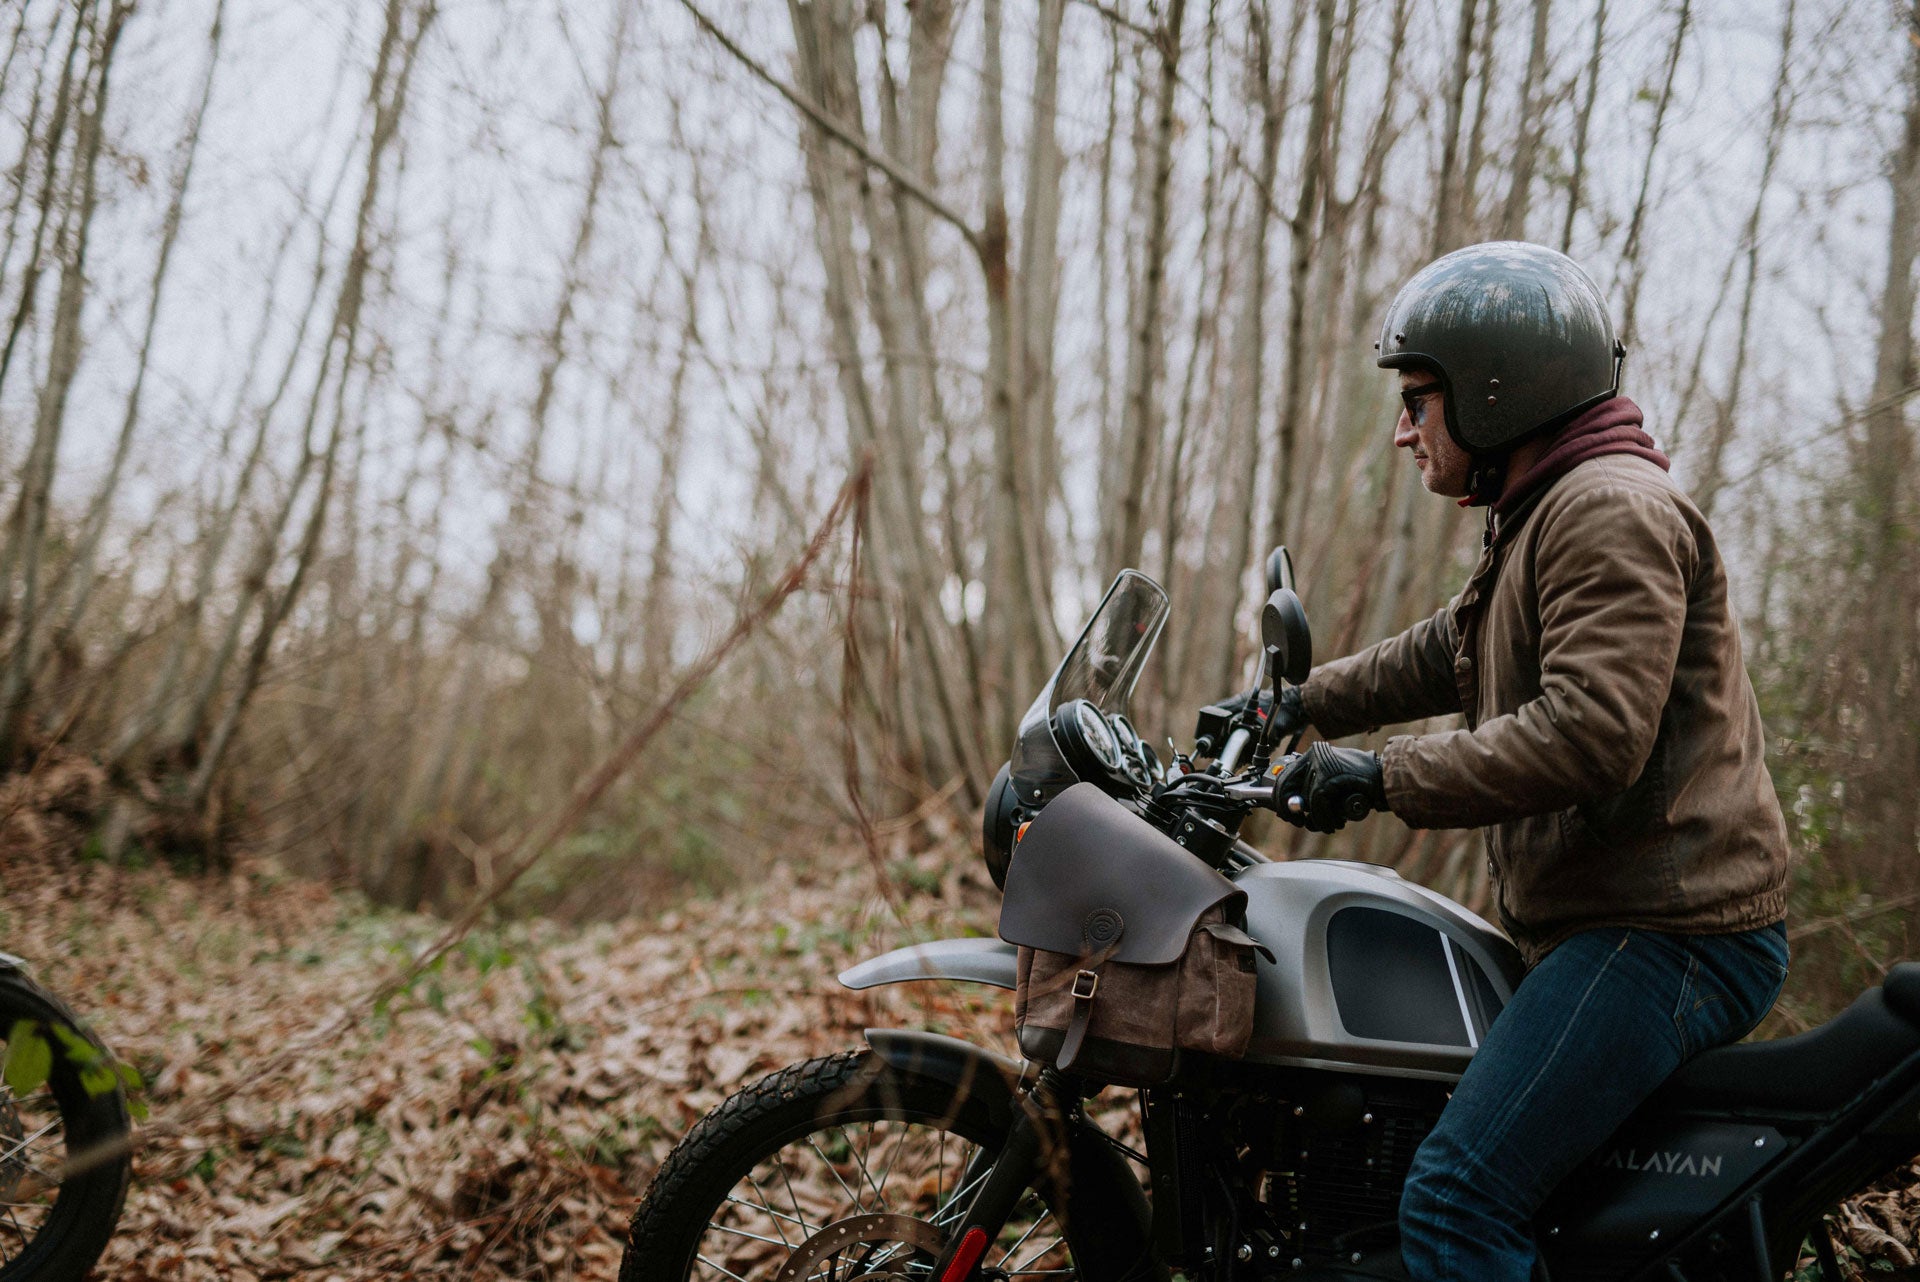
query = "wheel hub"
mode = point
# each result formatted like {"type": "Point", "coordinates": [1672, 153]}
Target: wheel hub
{"type": "Point", "coordinates": [922, 1240]}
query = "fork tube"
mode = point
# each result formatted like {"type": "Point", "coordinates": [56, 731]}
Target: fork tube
{"type": "Point", "coordinates": [1020, 1158]}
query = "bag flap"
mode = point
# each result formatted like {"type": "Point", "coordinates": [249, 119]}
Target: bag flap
{"type": "Point", "coordinates": [1091, 878]}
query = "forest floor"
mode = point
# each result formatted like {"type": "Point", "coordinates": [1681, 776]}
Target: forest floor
{"type": "Point", "coordinates": [499, 1117]}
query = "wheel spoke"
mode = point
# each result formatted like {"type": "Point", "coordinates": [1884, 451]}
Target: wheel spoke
{"type": "Point", "coordinates": [955, 1206]}
{"type": "Point", "coordinates": [26, 1141]}
{"type": "Point", "coordinates": [1045, 1215]}
{"type": "Point", "coordinates": [794, 1198]}
{"type": "Point", "coordinates": [898, 1147]}
{"type": "Point", "coordinates": [835, 1172]}
{"type": "Point", "coordinates": [715, 1264]}
{"type": "Point", "coordinates": [764, 1205]}
{"type": "Point", "coordinates": [728, 1228]}
{"type": "Point", "coordinates": [830, 1155]}
{"type": "Point", "coordinates": [859, 1160]}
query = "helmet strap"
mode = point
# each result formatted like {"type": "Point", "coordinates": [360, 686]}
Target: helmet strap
{"type": "Point", "coordinates": [1486, 478]}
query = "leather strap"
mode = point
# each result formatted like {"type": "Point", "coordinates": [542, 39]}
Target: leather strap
{"type": "Point", "coordinates": [1085, 985]}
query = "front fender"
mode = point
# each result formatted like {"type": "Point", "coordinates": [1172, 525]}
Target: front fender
{"type": "Point", "coordinates": [1102, 1189]}
{"type": "Point", "coordinates": [978, 961]}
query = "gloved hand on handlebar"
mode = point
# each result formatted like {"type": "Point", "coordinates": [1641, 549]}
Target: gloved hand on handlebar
{"type": "Point", "coordinates": [1293, 713]}
{"type": "Point", "coordinates": [1331, 785]}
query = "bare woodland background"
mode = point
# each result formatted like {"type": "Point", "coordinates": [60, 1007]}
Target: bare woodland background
{"type": "Point", "coordinates": [395, 397]}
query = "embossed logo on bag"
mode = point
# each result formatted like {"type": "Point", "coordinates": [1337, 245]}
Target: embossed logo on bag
{"type": "Point", "coordinates": [1101, 929]}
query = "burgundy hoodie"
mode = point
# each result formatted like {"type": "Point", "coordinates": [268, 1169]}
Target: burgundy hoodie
{"type": "Point", "coordinates": [1611, 427]}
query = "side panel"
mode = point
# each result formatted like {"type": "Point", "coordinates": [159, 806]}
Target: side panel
{"type": "Point", "coordinates": [1371, 973]}
{"type": "Point", "coordinates": [1645, 1189]}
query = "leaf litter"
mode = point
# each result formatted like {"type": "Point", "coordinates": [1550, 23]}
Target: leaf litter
{"type": "Point", "coordinates": [498, 1118]}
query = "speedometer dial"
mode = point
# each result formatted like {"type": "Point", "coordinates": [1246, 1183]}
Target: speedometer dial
{"type": "Point", "coordinates": [1088, 742]}
{"type": "Point", "coordinates": [1099, 735]}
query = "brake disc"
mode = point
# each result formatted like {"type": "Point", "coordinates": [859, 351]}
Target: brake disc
{"type": "Point", "coordinates": [924, 1240]}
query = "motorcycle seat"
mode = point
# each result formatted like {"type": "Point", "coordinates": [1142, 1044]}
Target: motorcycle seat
{"type": "Point", "coordinates": [1817, 1071]}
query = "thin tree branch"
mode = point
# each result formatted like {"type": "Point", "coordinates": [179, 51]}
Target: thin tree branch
{"type": "Point", "coordinates": [839, 131]}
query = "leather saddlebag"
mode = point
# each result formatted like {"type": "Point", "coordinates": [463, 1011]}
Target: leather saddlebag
{"type": "Point", "coordinates": [1131, 949]}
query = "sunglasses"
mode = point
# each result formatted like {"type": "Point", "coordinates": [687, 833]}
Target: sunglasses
{"type": "Point", "coordinates": [1414, 400]}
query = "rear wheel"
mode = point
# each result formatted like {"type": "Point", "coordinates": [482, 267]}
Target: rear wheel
{"type": "Point", "coordinates": [832, 1170]}
{"type": "Point", "coordinates": [64, 1141]}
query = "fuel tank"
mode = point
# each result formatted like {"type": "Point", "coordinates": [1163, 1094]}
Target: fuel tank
{"type": "Point", "coordinates": [1372, 973]}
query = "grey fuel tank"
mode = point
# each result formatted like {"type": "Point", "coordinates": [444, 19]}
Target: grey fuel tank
{"type": "Point", "coordinates": [1373, 973]}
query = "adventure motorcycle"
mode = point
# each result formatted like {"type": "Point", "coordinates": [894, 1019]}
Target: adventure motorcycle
{"type": "Point", "coordinates": [922, 1156]}
{"type": "Point", "coordinates": [65, 1136]}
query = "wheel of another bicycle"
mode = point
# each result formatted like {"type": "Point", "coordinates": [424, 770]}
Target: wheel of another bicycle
{"type": "Point", "coordinates": [64, 1148]}
{"type": "Point", "coordinates": [827, 1171]}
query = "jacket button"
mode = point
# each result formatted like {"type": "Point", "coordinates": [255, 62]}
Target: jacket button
{"type": "Point", "coordinates": [1464, 663]}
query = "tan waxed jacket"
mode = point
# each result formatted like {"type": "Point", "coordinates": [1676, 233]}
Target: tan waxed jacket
{"type": "Point", "coordinates": [1613, 746]}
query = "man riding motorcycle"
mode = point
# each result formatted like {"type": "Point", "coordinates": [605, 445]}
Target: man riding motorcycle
{"type": "Point", "coordinates": [1612, 750]}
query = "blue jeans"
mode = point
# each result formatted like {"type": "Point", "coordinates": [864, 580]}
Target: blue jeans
{"type": "Point", "coordinates": [1589, 1035]}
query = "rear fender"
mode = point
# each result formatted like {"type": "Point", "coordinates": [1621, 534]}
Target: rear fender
{"type": "Point", "coordinates": [1102, 1190]}
{"type": "Point", "coordinates": [9, 962]}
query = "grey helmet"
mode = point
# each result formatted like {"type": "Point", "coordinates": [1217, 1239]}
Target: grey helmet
{"type": "Point", "coordinates": [1518, 334]}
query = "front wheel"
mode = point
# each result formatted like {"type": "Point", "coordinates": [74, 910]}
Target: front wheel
{"type": "Point", "coordinates": [64, 1139]}
{"type": "Point", "coordinates": [831, 1170]}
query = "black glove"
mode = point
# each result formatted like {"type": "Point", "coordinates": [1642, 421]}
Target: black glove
{"type": "Point", "coordinates": [1332, 786]}
{"type": "Point", "coordinates": [1293, 713]}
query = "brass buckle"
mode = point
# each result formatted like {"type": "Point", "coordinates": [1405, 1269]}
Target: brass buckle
{"type": "Point", "coordinates": [1091, 979]}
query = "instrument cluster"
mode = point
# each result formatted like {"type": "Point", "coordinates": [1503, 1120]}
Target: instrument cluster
{"type": "Point", "coordinates": [1104, 749]}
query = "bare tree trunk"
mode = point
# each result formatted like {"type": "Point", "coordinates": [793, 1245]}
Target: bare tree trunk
{"type": "Point", "coordinates": [1305, 232]}
{"type": "Point", "coordinates": [158, 703]}
{"type": "Point", "coordinates": [20, 176]}
{"type": "Point", "coordinates": [1513, 215]}
{"type": "Point", "coordinates": [51, 147]}
{"type": "Point", "coordinates": [1446, 213]}
{"type": "Point", "coordinates": [1247, 380]}
{"type": "Point", "coordinates": [1140, 417]}
{"type": "Point", "coordinates": [901, 551]}
{"type": "Point", "coordinates": [1630, 255]}
{"type": "Point", "coordinates": [1727, 409]}
{"type": "Point", "coordinates": [1469, 198]}
{"type": "Point", "coordinates": [1582, 118]}
{"type": "Point", "coordinates": [76, 584]}
{"type": "Point", "coordinates": [1012, 558]}
{"type": "Point", "coordinates": [1039, 301]}
{"type": "Point", "coordinates": [27, 528]}
{"type": "Point", "coordinates": [393, 69]}
{"type": "Point", "coordinates": [1886, 512]}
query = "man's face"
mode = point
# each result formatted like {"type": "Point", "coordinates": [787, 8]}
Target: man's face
{"type": "Point", "coordinates": [1422, 427]}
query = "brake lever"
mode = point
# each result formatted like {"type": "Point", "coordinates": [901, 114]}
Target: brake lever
{"type": "Point", "coordinates": [1262, 790]}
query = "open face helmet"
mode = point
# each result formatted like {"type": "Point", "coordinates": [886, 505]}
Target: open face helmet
{"type": "Point", "coordinates": [1517, 333]}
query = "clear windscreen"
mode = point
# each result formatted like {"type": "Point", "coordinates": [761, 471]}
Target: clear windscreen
{"type": "Point", "coordinates": [1103, 667]}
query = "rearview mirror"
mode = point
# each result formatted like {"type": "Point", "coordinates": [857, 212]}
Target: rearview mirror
{"type": "Point", "coordinates": [1284, 632]}
{"type": "Point", "coordinates": [1280, 570]}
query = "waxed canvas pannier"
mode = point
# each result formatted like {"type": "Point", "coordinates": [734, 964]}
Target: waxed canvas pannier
{"type": "Point", "coordinates": [1131, 949]}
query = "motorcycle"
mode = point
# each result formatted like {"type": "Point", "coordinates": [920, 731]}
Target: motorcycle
{"type": "Point", "coordinates": [921, 1156]}
{"type": "Point", "coordinates": [65, 1135]}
